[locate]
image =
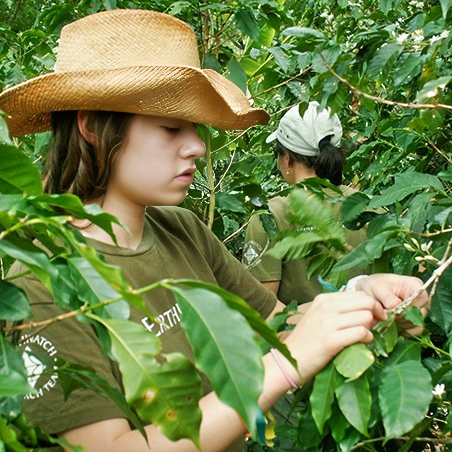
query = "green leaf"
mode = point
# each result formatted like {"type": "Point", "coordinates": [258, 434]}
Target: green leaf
{"type": "Point", "coordinates": [309, 34]}
{"type": "Point", "coordinates": [404, 396]}
{"type": "Point", "coordinates": [445, 6]}
{"type": "Point", "coordinates": [355, 401]}
{"type": "Point", "coordinates": [322, 396]}
{"type": "Point", "coordinates": [431, 89]}
{"type": "Point", "coordinates": [365, 253]}
{"type": "Point", "coordinates": [165, 394]}
{"type": "Point", "coordinates": [17, 172]}
{"type": "Point", "coordinates": [72, 376]}
{"type": "Point", "coordinates": [92, 288]}
{"type": "Point", "coordinates": [247, 23]}
{"type": "Point", "coordinates": [383, 60]}
{"type": "Point", "coordinates": [353, 205]}
{"type": "Point", "coordinates": [237, 376]}
{"type": "Point", "coordinates": [13, 376]}
{"type": "Point", "coordinates": [236, 74]}
{"type": "Point", "coordinates": [281, 58]}
{"type": "Point", "coordinates": [406, 184]}
{"type": "Point", "coordinates": [13, 302]}
{"type": "Point", "coordinates": [353, 361]}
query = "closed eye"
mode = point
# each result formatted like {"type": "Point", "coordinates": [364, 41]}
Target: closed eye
{"type": "Point", "coordinates": [172, 129]}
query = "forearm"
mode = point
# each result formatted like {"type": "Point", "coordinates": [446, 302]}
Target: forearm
{"type": "Point", "coordinates": [220, 425]}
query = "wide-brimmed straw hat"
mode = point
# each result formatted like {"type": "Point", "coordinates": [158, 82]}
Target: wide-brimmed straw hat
{"type": "Point", "coordinates": [133, 61]}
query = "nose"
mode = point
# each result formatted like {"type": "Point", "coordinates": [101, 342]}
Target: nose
{"type": "Point", "coordinates": [193, 147]}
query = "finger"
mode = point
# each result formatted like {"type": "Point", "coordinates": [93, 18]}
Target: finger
{"type": "Point", "coordinates": [350, 336]}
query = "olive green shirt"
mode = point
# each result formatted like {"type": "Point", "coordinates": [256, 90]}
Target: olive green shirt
{"type": "Point", "coordinates": [175, 244]}
{"type": "Point", "coordinates": [291, 274]}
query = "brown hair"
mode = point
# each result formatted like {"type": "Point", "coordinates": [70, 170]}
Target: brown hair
{"type": "Point", "coordinates": [75, 166]}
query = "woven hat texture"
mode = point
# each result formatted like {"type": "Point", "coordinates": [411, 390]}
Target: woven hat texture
{"type": "Point", "coordinates": [132, 61]}
{"type": "Point", "coordinates": [303, 134]}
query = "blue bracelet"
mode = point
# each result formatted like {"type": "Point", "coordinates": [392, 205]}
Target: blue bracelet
{"type": "Point", "coordinates": [261, 426]}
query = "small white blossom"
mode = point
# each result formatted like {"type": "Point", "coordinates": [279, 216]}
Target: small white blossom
{"type": "Point", "coordinates": [439, 390]}
{"type": "Point", "coordinates": [402, 38]}
{"type": "Point", "coordinates": [418, 36]}
{"type": "Point", "coordinates": [426, 246]}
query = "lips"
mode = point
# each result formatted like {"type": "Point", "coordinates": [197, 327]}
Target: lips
{"type": "Point", "coordinates": [187, 176]}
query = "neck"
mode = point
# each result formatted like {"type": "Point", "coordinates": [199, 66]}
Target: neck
{"type": "Point", "coordinates": [127, 236]}
{"type": "Point", "coordinates": [302, 172]}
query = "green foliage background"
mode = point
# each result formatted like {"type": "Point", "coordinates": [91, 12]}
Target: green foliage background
{"type": "Point", "coordinates": [385, 68]}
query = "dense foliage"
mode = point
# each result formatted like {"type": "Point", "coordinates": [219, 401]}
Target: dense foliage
{"type": "Point", "coordinates": [385, 68]}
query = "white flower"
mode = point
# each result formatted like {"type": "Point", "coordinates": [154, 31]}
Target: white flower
{"type": "Point", "coordinates": [402, 38]}
{"type": "Point", "coordinates": [418, 36]}
{"type": "Point", "coordinates": [443, 35]}
{"type": "Point", "coordinates": [439, 390]}
{"type": "Point", "coordinates": [426, 246]}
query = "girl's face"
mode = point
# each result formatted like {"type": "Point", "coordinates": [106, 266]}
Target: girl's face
{"type": "Point", "coordinates": [156, 164]}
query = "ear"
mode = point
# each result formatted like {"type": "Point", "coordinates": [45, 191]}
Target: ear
{"type": "Point", "coordinates": [288, 160]}
{"type": "Point", "coordinates": [83, 121]}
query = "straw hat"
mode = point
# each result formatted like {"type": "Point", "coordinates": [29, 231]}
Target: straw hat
{"type": "Point", "coordinates": [133, 61]}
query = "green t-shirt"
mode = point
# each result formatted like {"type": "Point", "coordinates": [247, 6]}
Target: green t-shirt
{"type": "Point", "coordinates": [175, 244]}
{"type": "Point", "coordinates": [291, 274]}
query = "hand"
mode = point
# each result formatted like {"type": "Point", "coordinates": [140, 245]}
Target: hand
{"type": "Point", "coordinates": [390, 290]}
{"type": "Point", "coordinates": [332, 322]}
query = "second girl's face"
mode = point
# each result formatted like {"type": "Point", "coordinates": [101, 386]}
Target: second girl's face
{"type": "Point", "coordinates": [157, 162]}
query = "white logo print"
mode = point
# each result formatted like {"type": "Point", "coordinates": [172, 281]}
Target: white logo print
{"type": "Point", "coordinates": [39, 357]}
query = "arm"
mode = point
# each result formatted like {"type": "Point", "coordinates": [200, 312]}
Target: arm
{"type": "Point", "coordinates": [333, 322]}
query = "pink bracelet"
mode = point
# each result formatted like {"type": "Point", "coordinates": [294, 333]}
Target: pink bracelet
{"type": "Point", "coordinates": [283, 369]}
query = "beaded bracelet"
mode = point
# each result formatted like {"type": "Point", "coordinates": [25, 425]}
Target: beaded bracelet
{"type": "Point", "coordinates": [283, 369]}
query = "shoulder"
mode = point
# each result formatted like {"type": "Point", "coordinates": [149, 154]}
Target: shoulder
{"type": "Point", "coordinates": [172, 215]}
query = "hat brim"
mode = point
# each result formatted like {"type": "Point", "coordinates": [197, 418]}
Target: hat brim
{"type": "Point", "coordinates": [271, 137]}
{"type": "Point", "coordinates": [198, 95]}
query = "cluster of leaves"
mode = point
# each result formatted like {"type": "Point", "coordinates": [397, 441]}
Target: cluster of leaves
{"type": "Point", "coordinates": [384, 67]}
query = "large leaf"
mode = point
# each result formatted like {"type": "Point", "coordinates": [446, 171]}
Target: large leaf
{"type": "Point", "coordinates": [383, 60]}
{"type": "Point", "coordinates": [322, 396]}
{"type": "Point", "coordinates": [17, 172]}
{"type": "Point", "coordinates": [92, 288]}
{"type": "Point", "coordinates": [222, 336]}
{"type": "Point", "coordinates": [353, 361]}
{"type": "Point", "coordinates": [404, 396]}
{"type": "Point", "coordinates": [355, 401]}
{"type": "Point", "coordinates": [165, 394]}
{"type": "Point", "coordinates": [13, 376]}
{"type": "Point", "coordinates": [406, 184]}
{"type": "Point", "coordinates": [13, 302]}
{"type": "Point", "coordinates": [247, 23]}
{"type": "Point", "coordinates": [256, 322]}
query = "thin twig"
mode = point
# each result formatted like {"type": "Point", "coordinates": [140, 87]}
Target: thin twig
{"type": "Point", "coordinates": [378, 99]}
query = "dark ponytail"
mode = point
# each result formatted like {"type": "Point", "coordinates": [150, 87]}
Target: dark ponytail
{"type": "Point", "coordinates": [330, 162]}
{"type": "Point", "coordinates": [327, 165]}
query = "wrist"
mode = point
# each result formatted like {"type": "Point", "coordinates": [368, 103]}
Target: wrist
{"type": "Point", "coordinates": [352, 284]}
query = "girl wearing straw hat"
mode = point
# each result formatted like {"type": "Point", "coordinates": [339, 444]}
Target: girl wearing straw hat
{"type": "Point", "coordinates": [122, 102]}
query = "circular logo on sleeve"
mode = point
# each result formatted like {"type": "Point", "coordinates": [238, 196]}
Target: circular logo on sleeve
{"type": "Point", "coordinates": [39, 355]}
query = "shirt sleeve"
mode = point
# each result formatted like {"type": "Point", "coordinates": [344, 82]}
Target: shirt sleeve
{"type": "Point", "coordinates": [72, 341]}
{"type": "Point", "coordinates": [233, 276]}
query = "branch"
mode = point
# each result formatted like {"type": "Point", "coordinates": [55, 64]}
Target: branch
{"type": "Point", "coordinates": [381, 100]}
{"type": "Point", "coordinates": [443, 264]}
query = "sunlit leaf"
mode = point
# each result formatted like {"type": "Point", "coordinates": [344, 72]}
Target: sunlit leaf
{"type": "Point", "coordinates": [353, 361]}
{"type": "Point", "coordinates": [237, 376]}
{"type": "Point", "coordinates": [165, 394]}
